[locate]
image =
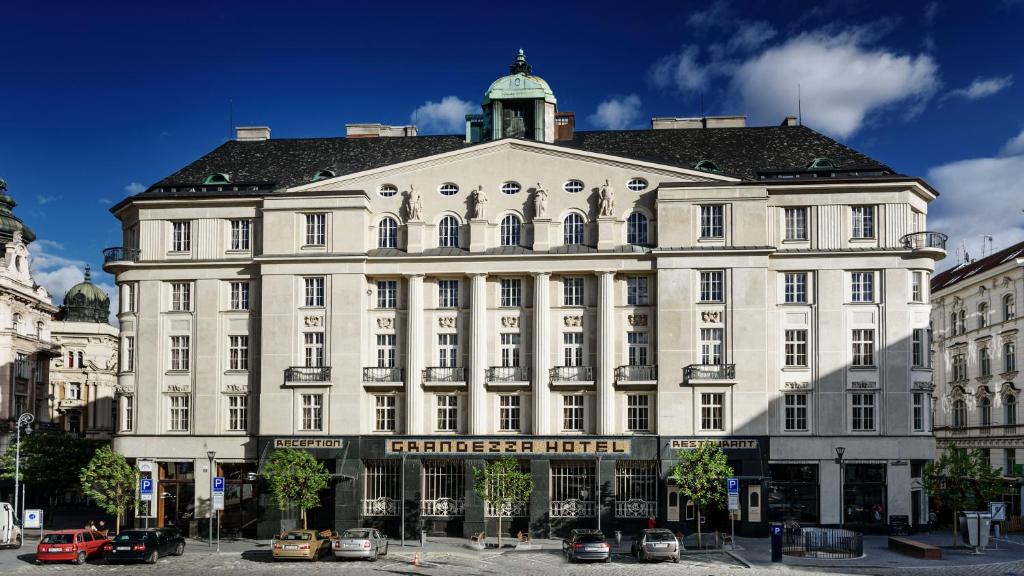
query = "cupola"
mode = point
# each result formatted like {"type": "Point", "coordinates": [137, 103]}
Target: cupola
{"type": "Point", "coordinates": [86, 302]}
{"type": "Point", "coordinates": [517, 105]}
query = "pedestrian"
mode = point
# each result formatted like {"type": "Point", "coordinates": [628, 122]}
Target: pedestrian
{"type": "Point", "coordinates": [651, 522]}
{"type": "Point", "coordinates": [933, 520]}
{"type": "Point", "coordinates": [102, 528]}
{"type": "Point", "coordinates": [90, 525]}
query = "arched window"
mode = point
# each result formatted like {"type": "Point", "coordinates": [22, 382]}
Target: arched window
{"type": "Point", "coordinates": [448, 232]}
{"type": "Point", "coordinates": [81, 360]}
{"type": "Point", "coordinates": [572, 229]}
{"type": "Point", "coordinates": [1010, 410]}
{"type": "Point", "coordinates": [962, 327]}
{"type": "Point", "coordinates": [985, 411]}
{"type": "Point", "coordinates": [985, 362]}
{"type": "Point", "coordinates": [1009, 357]}
{"type": "Point", "coordinates": [1009, 307]}
{"type": "Point", "coordinates": [71, 359]}
{"type": "Point", "coordinates": [511, 229]}
{"type": "Point", "coordinates": [636, 228]}
{"type": "Point", "coordinates": [959, 414]}
{"type": "Point", "coordinates": [952, 324]}
{"type": "Point", "coordinates": [387, 233]}
{"type": "Point", "coordinates": [982, 315]}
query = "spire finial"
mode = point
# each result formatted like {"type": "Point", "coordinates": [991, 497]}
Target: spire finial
{"type": "Point", "coordinates": [520, 66]}
{"type": "Point", "coordinates": [88, 273]}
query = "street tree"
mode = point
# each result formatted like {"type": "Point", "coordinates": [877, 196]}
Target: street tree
{"type": "Point", "coordinates": [701, 474]}
{"type": "Point", "coordinates": [962, 479]}
{"type": "Point", "coordinates": [296, 479]}
{"type": "Point", "coordinates": [111, 482]}
{"type": "Point", "coordinates": [40, 453]}
{"type": "Point", "coordinates": [503, 484]}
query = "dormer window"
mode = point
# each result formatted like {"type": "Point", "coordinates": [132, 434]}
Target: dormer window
{"type": "Point", "coordinates": [821, 164]}
{"type": "Point", "coordinates": [323, 175]}
{"type": "Point", "coordinates": [217, 178]}
{"type": "Point", "coordinates": [387, 190]}
{"type": "Point", "coordinates": [637, 184]}
{"type": "Point", "coordinates": [510, 188]}
{"type": "Point", "coordinates": [706, 166]}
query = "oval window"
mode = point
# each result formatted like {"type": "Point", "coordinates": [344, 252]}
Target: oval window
{"type": "Point", "coordinates": [573, 186]}
{"type": "Point", "coordinates": [448, 189]}
{"type": "Point", "coordinates": [636, 184]}
{"type": "Point", "coordinates": [510, 188]}
{"type": "Point", "coordinates": [387, 190]}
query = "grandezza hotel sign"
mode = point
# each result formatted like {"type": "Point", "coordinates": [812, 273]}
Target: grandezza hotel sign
{"type": "Point", "coordinates": [501, 446]}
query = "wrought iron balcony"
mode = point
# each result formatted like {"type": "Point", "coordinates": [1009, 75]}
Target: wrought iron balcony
{"type": "Point", "coordinates": [383, 374]}
{"type": "Point", "coordinates": [444, 507]}
{"type": "Point", "coordinates": [572, 374]}
{"type": "Point", "coordinates": [925, 241]}
{"type": "Point", "coordinates": [307, 374]}
{"type": "Point", "coordinates": [444, 374]}
{"type": "Point", "coordinates": [572, 508]}
{"type": "Point", "coordinates": [508, 374]}
{"type": "Point", "coordinates": [120, 254]}
{"type": "Point", "coordinates": [382, 506]}
{"type": "Point", "coordinates": [709, 372]}
{"type": "Point", "coordinates": [636, 373]}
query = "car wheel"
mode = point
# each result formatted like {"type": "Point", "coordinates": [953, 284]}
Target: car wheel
{"type": "Point", "coordinates": [17, 542]}
{"type": "Point", "coordinates": [608, 559]}
{"type": "Point", "coordinates": [80, 557]}
{"type": "Point", "coordinates": [385, 549]}
{"type": "Point", "coordinates": [180, 549]}
{"type": "Point", "coordinates": [152, 558]}
{"type": "Point", "coordinates": [675, 559]}
{"type": "Point", "coordinates": [374, 557]}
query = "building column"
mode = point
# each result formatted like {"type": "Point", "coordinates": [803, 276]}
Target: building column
{"type": "Point", "coordinates": [414, 357]}
{"type": "Point", "coordinates": [606, 353]}
{"type": "Point", "coordinates": [477, 415]}
{"type": "Point", "coordinates": [541, 352]}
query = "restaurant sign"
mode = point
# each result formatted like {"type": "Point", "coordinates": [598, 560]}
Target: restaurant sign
{"type": "Point", "coordinates": [502, 446]}
{"type": "Point", "coordinates": [308, 443]}
{"type": "Point", "coordinates": [723, 443]}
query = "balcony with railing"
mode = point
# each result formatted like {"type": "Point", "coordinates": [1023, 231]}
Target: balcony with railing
{"type": "Point", "coordinates": [636, 374]}
{"type": "Point", "coordinates": [636, 508]}
{"type": "Point", "coordinates": [443, 508]}
{"type": "Point", "coordinates": [380, 507]}
{"type": "Point", "coordinates": [508, 374]}
{"type": "Point", "coordinates": [932, 243]}
{"type": "Point", "coordinates": [444, 375]}
{"type": "Point", "coordinates": [383, 376]}
{"type": "Point", "coordinates": [307, 374]}
{"type": "Point", "coordinates": [709, 373]}
{"type": "Point", "coordinates": [510, 510]}
{"type": "Point", "coordinates": [984, 431]}
{"type": "Point", "coordinates": [119, 255]}
{"type": "Point", "coordinates": [572, 375]}
{"type": "Point", "coordinates": [572, 508]}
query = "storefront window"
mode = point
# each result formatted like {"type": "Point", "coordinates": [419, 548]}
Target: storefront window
{"type": "Point", "coordinates": [793, 493]}
{"type": "Point", "coordinates": [177, 495]}
{"type": "Point", "coordinates": [864, 496]}
{"type": "Point", "coordinates": [240, 500]}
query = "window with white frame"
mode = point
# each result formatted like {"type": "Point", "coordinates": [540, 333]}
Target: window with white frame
{"type": "Point", "coordinates": [862, 286]}
{"type": "Point", "coordinates": [795, 407]}
{"type": "Point", "coordinates": [796, 223]}
{"type": "Point", "coordinates": [638, 412]}
{"type": "Point", "coordinates": [573, 230]}
{"type": "Point", "coordinates": [636, 229]}
{"type": "Point", "coordinates": [572, 291]}
{"type": "Point", "coordinates": [444, 488]}
{"type": "Point", "coordinates": [711, 221]}
{"type": "Point", "coordinates": [1009, 357]}
{"type": "Point", "coordinates": [572, 489]}
{"type": "Point", "coordinates": [863, 222]}
{"type": "Point", "coordinates": [128, 413]}
{"type": "Point", "coordinates": [448, 293]}
{"type": "Point", "coordinates": [241, 234]}
{"type": "Point", "coordinates": [178, 406]}
{"type": "Point", "coordinates": [181, 236]}
{"type": "Point", "coordinates": [511, 292]}
{"type": "Point", "coordinates": [448, 189]}
{"type": "Point", "coordinates": [862, 411]}
{"type": "Point", "coordinates": [1009, 307]}
{"type": "Point", "coordinates": [917, 286]}
{"type": "Point", "coordinates": [387, 233]}
{"type": "Point", "coordinates": [447, 413]}
{"type": "Point", "coordinates": [128, 355]}
{"type": "Point", "coordinates": [572, 348]}
{"type": "Point", "coordinates": [448, 232]}
{"type": "Point", "coordinates": [711, 286]}
{"type": "Point", "coordinates": [511, 230]}
{"type": "Point", "coordinates": [74, 391]}
{"type": "Point", "coordinates": [384, 412]}
{"type": "Point", "coordinates": [636, 184]}
{"type": "Point", "coordinates": [636, 291]}
{"type": "Point", "coordinates": [382, 488]}
{"type": "Point", "coordinates": [447, 350]}
{"type": "Point", "coordinates": [636, 348]}
{"type": "Point", "coordinates": [636, 488]}
{"type": "Point", "coordinates": [316, 229]}
{"type": "Point", "coordinates": [130, 303]}
{"type": "Point", "coordinates": [711, 340]}
{"type": "Point", "coordinates": [796, 348]}
{"type": "Point", "coordinates": [239, 295]}
{"type": "Point", "coordinates": [920, 412]}
{"type": "Point", "coordinates": [795, 287]}
{"type": "Point", "coordinates": [387, 293]}
{"type": "Point", "coordinates": [386, 350]}
{"type": "Point", "coordinates": [314, 291]}
{"type": "Point", "coordinates": [238, 352]}
{"type": "Point", "coordinates": [509, 412]}
{"type": "Point", "coordinates": [572, 186]}
{"type": "Point", "coordinates": [313, 349]}
{"type": "Point", "coordinates": [572, 412]}
{"type": "Point", "coordinates": [863, 342]}
{"type": "Point", "coordinates": [181, 296]}
{"type": "Point", "coordinates": [919, 348]}
{"type": "Point", "coordinates": [712, 411]}
{"type": "Point", "coordinates": [509, 349]}
{"type": "Point", "coordinates": [179, 353]}
{"type": "Point", "coordinates": [510, 188]}
{"type": "Point", "coordinates": [312, 412]}
{"type": "Point", "coordinates": [238, 412]}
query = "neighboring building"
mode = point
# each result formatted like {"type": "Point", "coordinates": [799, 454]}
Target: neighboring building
{"type": "Point", "coordinates": [83, 376]}
{"type": "Point", "coordinates": [977, 329]}
{"type": "Point", "coordinates": [590, 302]}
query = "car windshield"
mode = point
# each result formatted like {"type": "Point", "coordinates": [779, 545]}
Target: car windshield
{"type": "Point", "coordinates": [590, 538]}
{"type": "Point", "coordinates": [295, 536]}
{"type": "Point", "coordinates": [660, 537]}
{"type": "Point", "coordinates": [130, 537]}
{"type": "Point", "coordinates": [353, 534]}
{"type": "Point", "coordinates": [59, 539]}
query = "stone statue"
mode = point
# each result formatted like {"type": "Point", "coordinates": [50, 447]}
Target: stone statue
{"type": "Point", "coordinates": [607, 200]}
{"type": "Point", "coordinates": [479, 203]}
{"type": "Point", "coordinates": [414, 205]}
{"type": "Point", "coordinates": [540, 202]}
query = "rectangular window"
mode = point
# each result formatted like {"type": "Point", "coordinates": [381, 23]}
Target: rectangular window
{"type": "Point", "coordinates": [711, 286]}
{"type": "Point", "coordinates": [238, 412]}
{"type": "Point", "coordinates": [444, 488]}
{"type": "Point", "coordinates": [508, 413]}
{"type": "Point", "coordinates": [636, 489]}
{"type": "Point", "coordinates": [919, 348]}
{"type": "Point", "coordinates": [917, 286]}
{"type": "Point", "coordinates": [1010, 454]}
{"type": "Point", "coordinates": [179, 413]}
{"type": "Point", "coordinates": [1009, 357]}
{"type": "Point", "coordinates": [312, 412]}
{"type": "Point", "coordinates": [181, 240]}
{"type": "Point", "coordinates": [382, 488]}
{"type": "Point", "coordinates": [313, 349]}
{"type": "Point", "coordinates": [863, 341]}
{"type": "Point", "coordinates": [509, 349]}
{"type": "Point", "coordinates": [238, 352]}
{"type": "Point", "coordinates": [572, 412]}
{"type": "Point", "coordinates": [239, 295]}
{"type": "Point", "coordinates": [447, 350]}
{"type": "Point", "coordinates": [130, 297]}
{"type": "Point", "coordinates": [572, 489]}
{"type": "Point", "coordinates": [795, 287]}
{"type": "Point", "coordinates": [447, 413]}
{"type": "Point", "coordinates": [128, 418]}
{"type": "Point", "coordinates": [316, 229]}
{"type": "Point", "coordinates": [796, 223]}
{"type": "Point", "coordinates": [128, 355]}
{"type": "Point", "coordinates": [448, 293]}
{"type": "Point", "coordinates": [711, 345]}
{"type": "Point", "coordinates": [179, 352]}
{"type": "Point", "coordinates": [314, 291]}
{"type": "Point", "coordinates": [572, 348]}
{"type": "Point", "coordinates": [959, 367]}
{"type": "Point", "coordinates": [384, 412]}
{"type": "Point", "coordinates": [796, 412]}
{"type": "Point", "coordinates": [712, 411]}
{"type": "Point", "coordinates": [21, 365]}
{"type": "Point", "coordinates": [711, 221]}
{"type": "Point", "coordinates": [181, 296]}
{"type": "Point", "coordinates": [572, 291]}
{"type": "Point", "coordinates": [796, 348]}
{"type": "Point", "coordinates": [636, 291]}
{"type": "Point", "coordinates": [387, 294]}
{"type": "Point", "coordinates": [862, 286]}
{"type": "Point", "coordinates": [511, 292]}
{"type": "Point", "coordinates": [240, 237]}
{"type": "Point", "coordinates": [863, 224]}
{"type": "Point", "coordinates": [919, 408]}
{"type": "Point", "coordinates": [386, 350]}
{"type": "Point", "coordinates": [985, 362]}
{"type": "Point", "coordinates": [638, 412]}
{"type": "Point", "coordinates": [862, 416]}
{"type": "Point", "coordinates": [637, 348]}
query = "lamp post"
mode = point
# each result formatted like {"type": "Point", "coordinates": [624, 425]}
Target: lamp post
{"type": "Point", "coordinates": [23, 421]}
{"type": "Point", "coordinates": [840, 450]}
{"type": "Point", "coordinates": [211, 455]}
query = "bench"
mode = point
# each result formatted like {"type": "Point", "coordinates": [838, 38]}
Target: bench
{"type": "Point", "coordinates": [915, 548]}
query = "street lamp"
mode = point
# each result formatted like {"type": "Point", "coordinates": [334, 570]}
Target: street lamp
{"type": "Point", "coordinates": [840, 450]}
{"type": "Point", "coordinates": [211, 455]}
{"type": "Point", "coordinates": [23, 421]}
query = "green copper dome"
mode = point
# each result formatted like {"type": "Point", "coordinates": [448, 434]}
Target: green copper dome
{"type": "Point", "coordinates": [9, 223]}
{"type": "Point", "coordinates": [519, 84]}
{"type": "Point", "coordinates": [86, 302]}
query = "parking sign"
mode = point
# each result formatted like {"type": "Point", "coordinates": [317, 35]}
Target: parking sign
{"type": "Point", "coordinates": [146, 489]}
{"type": "Point", "coordinates": [218, 492]}
{"type": "Point", "coordinates": [733, 485]}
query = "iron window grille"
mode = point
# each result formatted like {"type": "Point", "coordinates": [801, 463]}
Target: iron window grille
{"type": "Point", "coordinates": [381, 488]}
{"type": "Point", "coordinates": [443, 489]}
{"type": "Point", "coordinates": [572, 490]}
{"type": "Point", "coordinates": [636, 489]}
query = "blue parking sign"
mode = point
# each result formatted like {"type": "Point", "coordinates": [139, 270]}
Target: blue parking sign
{"type": "Point", "coordinates": [734, 485]}
{"type": "Point", "coordinates": [146, 489]}
{"type": "Point", "coordinates": [218, 484]}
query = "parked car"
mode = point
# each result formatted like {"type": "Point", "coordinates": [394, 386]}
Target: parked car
{"type": "Point", "coordinates": [656, 543]}
{"type": "Point", "coordinates": [587, 544]}
{"type": "Point", "coordinates": [144, 545]}
{"type": "Point", "coordinates": [70, 546]}
{"type": "Point", "coordinates": [361, 543]}
{"type": "Point", "coordinates": [301, 544]}
{"type": "Point", "coordinates": [10, 528]}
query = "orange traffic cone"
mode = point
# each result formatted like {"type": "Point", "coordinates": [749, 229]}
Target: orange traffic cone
{"type": "Point", "coordinates": [416, 559]}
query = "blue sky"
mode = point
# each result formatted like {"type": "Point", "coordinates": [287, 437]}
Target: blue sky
{"type": "Point", "coordinates": [100, 99]}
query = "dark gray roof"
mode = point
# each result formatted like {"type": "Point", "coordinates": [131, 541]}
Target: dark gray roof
{"type": "Point", "coordinates": [746, 153]}
{"type": "Point", "coordinates": [970, 269]}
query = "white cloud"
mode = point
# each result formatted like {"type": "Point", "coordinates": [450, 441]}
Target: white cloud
{"type": "Point", "coordinates": [751, 35]}
{"type": "Point", "coordinates": [135, 188]}
{"type": "Point", "coordinates": [448, 115]}
{"type": "Point", "coordinates": [617, 113]}
{"type": "Point", "coordinates": [58, 274]}
{"type": "Point", "coordinates": [42, 199]}
{"type": "Point", "coordinates": [982, 88]}
{"type": "Point", "coordinates": [682, 71]}
{"type": "Point", "coordinates": [714, 15]}
{"type": "Point", "coordinates": [1014, 145]}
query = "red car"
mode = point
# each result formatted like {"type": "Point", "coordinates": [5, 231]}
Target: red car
{"type": "Point", "coordinates": [70, 546]}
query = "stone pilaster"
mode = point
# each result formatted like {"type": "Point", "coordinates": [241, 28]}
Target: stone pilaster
{"type": "Point", "coordinates": [541, 352]}
{"type": "Point", "coordinates": [605, 353]}
{"type": "Point", "coordinates": [477, 413]}
{"type": "Point", "coordinates": [414, 357]}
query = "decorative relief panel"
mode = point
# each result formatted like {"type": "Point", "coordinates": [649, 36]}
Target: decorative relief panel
{"type": "Point", "coordinates": [923, 385]}
{"type": "Point", "coordinates": [573, 321]}
{"type": "Point", "coordinates": [177, 388]}
{"type": "Point", "coordinates": [446, 321]}
{"type": "Point", "coordinates": [313, 321]}
{"type": "Point", "coordinates": [236, 388]}
{"type": "Point", "coordinates": [386, 323]}
{"type": "Point", "coordinates": [796, 385]}
{"type": "Point", "coordinates": [864, 385]}
{"type": "Point", "coordinates": [510, 321]}
{"type": "Point", "coordinates": [638, 319]}
{"type": "Point", "coordinates": [711, 316]}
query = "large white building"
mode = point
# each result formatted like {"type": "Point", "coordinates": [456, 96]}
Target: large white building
{"type": "Point", "coordinates": [407, 306]}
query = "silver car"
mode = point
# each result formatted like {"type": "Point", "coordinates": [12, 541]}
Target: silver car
{"type": "Point", "coordinates": [656, 543]}
{"type": "Point", "coordinates": [366, 543]}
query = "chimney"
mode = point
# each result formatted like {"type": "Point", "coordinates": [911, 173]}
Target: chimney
{"type": "Point", "coordinates": [673, 123]}
{"type": "Point", "coordinates": [789, 121]}
{"type": "Point", "coordinates": [378, 130]}
{"type": "Point", "coordinates": [252, 133]}
{"type": "Point", "coordinates": [565, 126]}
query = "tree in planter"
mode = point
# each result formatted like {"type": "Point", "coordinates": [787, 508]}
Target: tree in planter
{"type": "Point", "coordinates": [503, 485]}
{"type": "Point", "coordinates": [111, 481]}
{"type": "Point", "coordinates": [296, 479]}
{"type": "Point", "coordinates": [962, 479]}
{"type": "Point", "coordinates": [701, 475]}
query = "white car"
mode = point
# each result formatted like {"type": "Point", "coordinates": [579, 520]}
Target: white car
{"type": "Point", "coordinates": [10, 528]}
{"type": "Point", "coordinates": [366, 543]}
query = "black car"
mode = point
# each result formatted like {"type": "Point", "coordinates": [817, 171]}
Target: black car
{"type": "Point", "coordinates": [586, 544]}
{"type": "Point", "coordinates": [144, 545]}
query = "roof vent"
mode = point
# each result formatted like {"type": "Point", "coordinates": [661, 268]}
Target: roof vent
{"type": "Point", "coordinates": [789, 121]}
{"type": "Point", "coordinates": [821, 164]}
{"type": "Point", "coordinates": [706, 166]}
{"type": "Point", "coordinates": [252, 133]}
{"type": "Point", "coordinates": [377, 130]}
